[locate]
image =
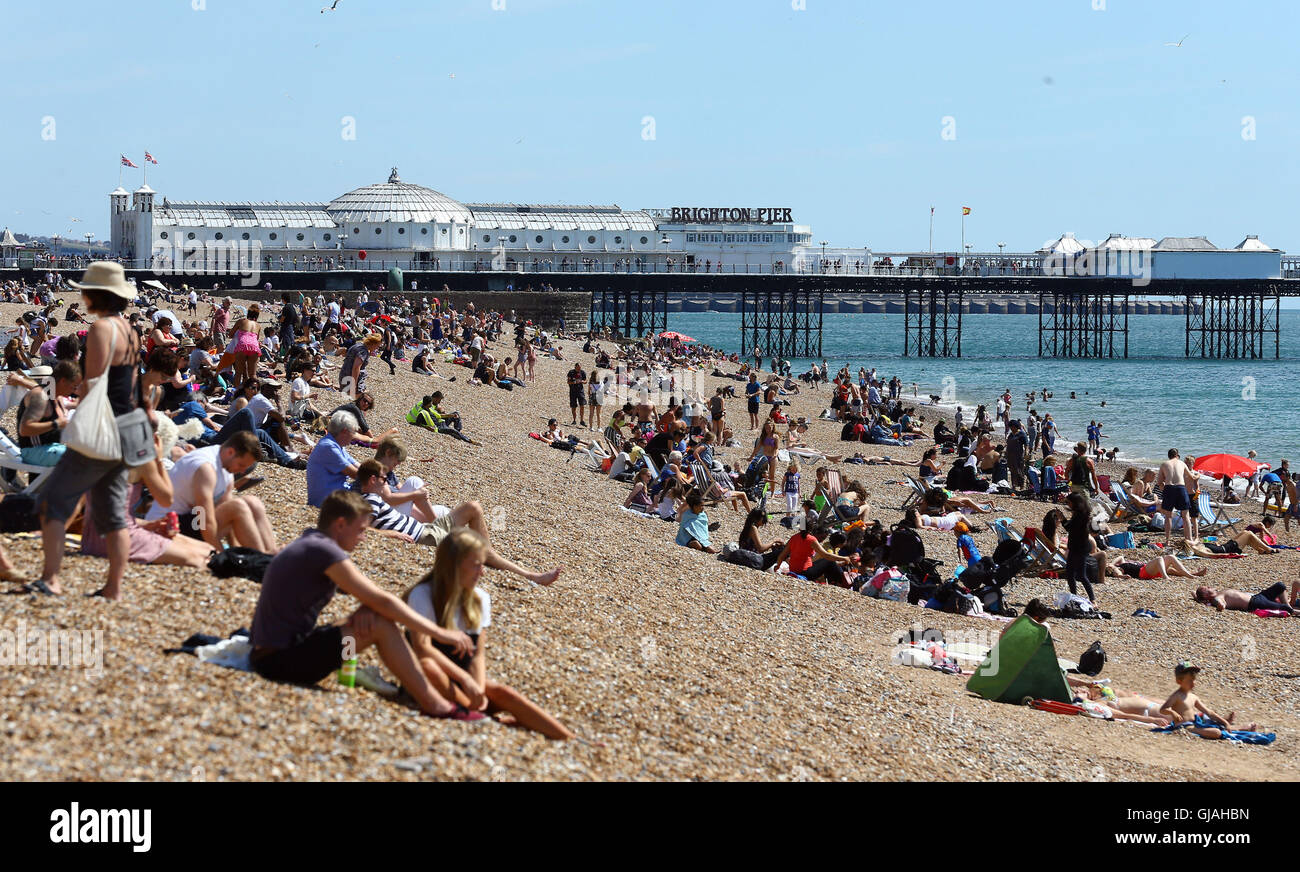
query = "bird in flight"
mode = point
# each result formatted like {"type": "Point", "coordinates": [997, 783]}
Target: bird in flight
{"type": "Point", "coordinates": [1178, 44]}
{"type": "Point", "coordinates": [330, 8]}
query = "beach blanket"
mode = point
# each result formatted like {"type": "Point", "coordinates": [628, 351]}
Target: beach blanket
{"type": "Point", "coordinates": [1247, 737]}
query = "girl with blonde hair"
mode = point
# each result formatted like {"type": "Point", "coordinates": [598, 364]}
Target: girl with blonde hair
{"type": "Point", "coordinates": [449, 596]}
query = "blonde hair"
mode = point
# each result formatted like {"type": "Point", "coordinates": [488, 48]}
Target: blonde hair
{"type": "Point", "coordinates": [449, 597]}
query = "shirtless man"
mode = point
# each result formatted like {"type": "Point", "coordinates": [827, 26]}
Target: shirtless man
{"type": "Point", "coordinates": [1235, 600]}
{"type": "Point", "coordinates": [1184, 708]}
{"type": "Point", "coordinates": [1178, 483]}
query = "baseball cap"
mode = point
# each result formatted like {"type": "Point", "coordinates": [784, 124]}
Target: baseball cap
{"type": "Point", "coordinates": [1183, 667]}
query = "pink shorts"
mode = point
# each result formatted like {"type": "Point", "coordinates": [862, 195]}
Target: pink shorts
{"type": "Point", "coordinates": [246, 343]}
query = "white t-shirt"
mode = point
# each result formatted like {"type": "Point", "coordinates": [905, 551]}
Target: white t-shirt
{"type": "Point", "coordinates": [421, 602]}
{"type": "Point", "coordinates": [260, 406]}
{"type": "Point", "coordinates": [301, 387]}
{"type": "Point", "coordinates": [334, 313]}
{"type": "Point", "coordinates": [182, 476]}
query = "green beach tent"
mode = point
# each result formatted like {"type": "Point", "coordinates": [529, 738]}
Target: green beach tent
{"type": "Point", "coordinates": [396, 281]}
{"type": "Point", "coordinates": [1022, 664]}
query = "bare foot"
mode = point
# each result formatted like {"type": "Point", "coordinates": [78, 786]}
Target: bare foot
{"type": "Point", "coordinates": [1231, 717]}
{"type": "Point", "coordinates": [545, 578]}
{"type": "Point", "coordinates": [1198, 573]}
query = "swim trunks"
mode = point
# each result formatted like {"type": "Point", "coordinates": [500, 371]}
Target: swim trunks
{"type": "Point", "coordinates": [1174, 498]}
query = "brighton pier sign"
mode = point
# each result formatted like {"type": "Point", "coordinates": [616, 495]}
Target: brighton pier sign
{"type": "Point", "coordinates": [704, 215]}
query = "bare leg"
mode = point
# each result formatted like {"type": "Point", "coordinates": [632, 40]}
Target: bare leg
{"type": "Point", "coordinates": [235, 521]}
{"type": "Point", "coordinates": [398, 657]}
{"type": "Point", "coordinates": [119, 552]}
{"type": "Point", "coordinates": [1247, 539]}
{"type": "Point", "coordinates": [184, 551]}
{"type": "Point", "coordinates": [527, 713]}
{"type": "Point", "coordinates": [471, 515]}
{"type": "Point", "coordinates": [52, 534]}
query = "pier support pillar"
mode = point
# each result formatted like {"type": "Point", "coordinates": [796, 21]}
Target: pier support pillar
{"type": "Point", "coordinates": [1234, 325]}
{"type": "Point", "coordinates": [631, 312]}
{"type": "Point", "coordinates": [932, 322]}
{"type": "Point", "coordinates": [1082, 323]}
{"type": "Point", "coordinates": [781, 323]}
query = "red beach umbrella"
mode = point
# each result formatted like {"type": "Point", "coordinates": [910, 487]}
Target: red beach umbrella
{"type": "Point", "coordinates": [673, 334]}
{"type": "Point", "coordinates": [1219, 465]}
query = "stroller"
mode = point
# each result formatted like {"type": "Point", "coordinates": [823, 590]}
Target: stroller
{"type": "Point", "coordinates": [987, 578]}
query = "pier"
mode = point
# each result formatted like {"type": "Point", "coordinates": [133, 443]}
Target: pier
{"type": "Point", "coordinates": [780, 310]}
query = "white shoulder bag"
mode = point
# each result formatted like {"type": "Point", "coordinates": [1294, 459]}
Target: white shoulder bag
{"type": "Point", "coordinates": [92, 432]}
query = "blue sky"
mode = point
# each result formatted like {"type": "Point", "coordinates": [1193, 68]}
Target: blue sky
{"type": "Point", "coordinates": [1067, 118]}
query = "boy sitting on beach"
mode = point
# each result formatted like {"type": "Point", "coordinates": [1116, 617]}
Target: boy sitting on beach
{"type": "Point", "coordinates": [302, 579]}
{"type": "Point", "coordinates": [1185, 709]}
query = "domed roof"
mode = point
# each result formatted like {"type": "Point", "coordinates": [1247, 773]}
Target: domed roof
{"type": "Point", "coordinates": [397, 201]}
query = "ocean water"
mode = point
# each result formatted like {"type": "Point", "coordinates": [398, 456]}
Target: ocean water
{"type": "Point", "coordinates": [1155, 400]}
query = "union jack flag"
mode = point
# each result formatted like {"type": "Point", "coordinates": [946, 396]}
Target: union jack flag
{"type": "Point", "coordinates": [126, 162]}
{"type": "Point", "coordinates": [150, 158]}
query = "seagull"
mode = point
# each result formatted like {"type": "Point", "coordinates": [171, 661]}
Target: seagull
{"type": "Point", "coordinates": [519, 140]}
{"type": "Point", "coordinates": [451, 75]}
{"type": "Point", "coordinates": [1178, 44]}
{"type": "Point", "coordinates": [329, 8]}
{"type": "Point", "coordinates": [74, 220]}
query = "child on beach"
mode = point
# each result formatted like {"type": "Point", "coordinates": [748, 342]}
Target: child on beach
{"type": "Point", "coordinates": [694, 529]}
{"type": "Point", "coordinates": [1185, 709]}
{"type": "Point", "coordinates": [449, 596]}
{"type": "Point", "coordinates": [790, 487]}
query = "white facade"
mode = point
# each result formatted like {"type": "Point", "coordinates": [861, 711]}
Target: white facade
{"type": "Point", "coordinates": [416, 226]}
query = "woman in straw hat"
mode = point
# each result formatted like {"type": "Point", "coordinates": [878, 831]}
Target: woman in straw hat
{"type": "Point", "coordinates": [112, 350]}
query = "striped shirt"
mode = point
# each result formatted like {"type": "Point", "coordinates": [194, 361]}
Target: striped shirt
{"type": "Point", "coordinates": [385, 517]}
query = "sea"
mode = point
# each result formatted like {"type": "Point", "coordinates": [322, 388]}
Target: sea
{"type": "Point", "coordinates": [1156, 399]}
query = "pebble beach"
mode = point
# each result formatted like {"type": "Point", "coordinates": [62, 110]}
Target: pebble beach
{"type": "Point", "coordinates": [668, 663]}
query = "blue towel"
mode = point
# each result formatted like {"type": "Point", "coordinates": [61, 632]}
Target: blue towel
{"type": "Point", "coordinates": [1248, 737]}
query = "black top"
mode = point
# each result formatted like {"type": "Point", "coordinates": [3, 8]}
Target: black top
{"type": "Point", "coordinates": [43, 438]}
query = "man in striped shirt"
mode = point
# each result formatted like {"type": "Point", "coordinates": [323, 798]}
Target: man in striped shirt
{"type": "Point", "coordinates": [370, 481]}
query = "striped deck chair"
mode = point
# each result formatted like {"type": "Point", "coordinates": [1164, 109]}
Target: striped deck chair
{"type": "Point", "coordinates": [1045, 560]}
{"type": "Point", "coordinates": [1213, 519]}
{"type": "Point", "coordinates": [834, 487]}
{"type": "Point", "coordinates": [917, 494]}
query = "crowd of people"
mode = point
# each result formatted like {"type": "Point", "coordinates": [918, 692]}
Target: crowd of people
{"type": "Point", "coordinates": [145, 429]}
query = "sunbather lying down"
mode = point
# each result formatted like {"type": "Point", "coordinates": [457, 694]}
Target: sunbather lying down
{"type": "Point", "coordinates": [1270, 598]}
{"type": "Point", "coordinates": [1124, 705]}
{"type": "Point", "coordinates": [1225, 545]}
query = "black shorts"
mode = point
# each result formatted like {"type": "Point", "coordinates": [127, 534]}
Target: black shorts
{"type": "Point", "coordinates": [1174, 498]}
{"type": "Point", "coordinates": [312, 658]}
{"type": "Point", "coordinates": [577, 396]}
{"type": "Point", "coordinates": [190, 526]}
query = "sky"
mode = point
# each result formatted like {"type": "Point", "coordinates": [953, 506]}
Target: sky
{"type": "Point", "coordinates": [1043, 117]}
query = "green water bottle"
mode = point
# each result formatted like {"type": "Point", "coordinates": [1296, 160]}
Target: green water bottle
{"type": "Point", "coordinates": [348, 673]}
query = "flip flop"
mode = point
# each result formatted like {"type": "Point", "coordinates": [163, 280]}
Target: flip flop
{"type": "Point", "coordinates": [39, 586]}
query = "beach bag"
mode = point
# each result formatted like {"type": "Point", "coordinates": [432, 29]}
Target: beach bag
{"type": "Point", "coordinates": [95, 432]}
{"type": "Point", "coordinates": [1120, 540]}
{"type": "Point", "coordinates": [244, 562]}
{"type": "Point", "coordinates": [896, 588]}
{"type": "Point", "coordinates": [744, 557]}
{"type": "Point", "coordinates": [1092, 661]}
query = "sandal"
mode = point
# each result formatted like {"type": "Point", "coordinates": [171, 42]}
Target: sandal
{"type": "Point", "coordinates": [249, 481]}
{"type": "Point", "coordinates": [39, 586]}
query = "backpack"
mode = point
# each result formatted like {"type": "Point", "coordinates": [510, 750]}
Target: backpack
{"type": "Point", "coordinates": [905, 547]}
{"type": "Point", "coordinates": [743, 557]}
{"type": "Point", "coordinates": [244, 562]}
{"type": "Point", "coordinates": [1092, 661]}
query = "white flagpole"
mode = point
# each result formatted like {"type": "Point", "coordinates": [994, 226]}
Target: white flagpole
{"type": "Point", "coordinates": [145, 166]}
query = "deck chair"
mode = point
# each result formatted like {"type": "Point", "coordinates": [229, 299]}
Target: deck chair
{"type": "Point", "coordinates": [917, 494]}
{"type": "Point", "coordinates": [1213, 519]}
{"type": "Point", "coordinates": [11, 484]}
{"type": "Point", "coordinates": [1045, 560]}
{"type": "Point", "coordinates": [704, 481]}
{"type": "Point", "coordinates": [1005, 529]}
{"type": "Point", "coordinates": [1103, 484]}
{"type": "Point", "coordinates": [1131, 509]}
{"type": "Point", "coordinates": [834, 487]}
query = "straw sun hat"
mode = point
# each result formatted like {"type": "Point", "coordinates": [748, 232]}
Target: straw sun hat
{"type": "Point", "coordinates": [103, 275]}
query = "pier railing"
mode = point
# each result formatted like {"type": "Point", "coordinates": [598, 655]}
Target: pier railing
{"type": "Point", "coordinates": [878, 265]}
